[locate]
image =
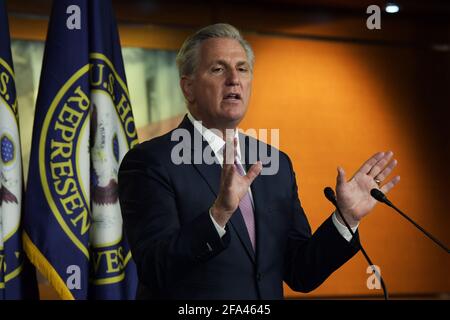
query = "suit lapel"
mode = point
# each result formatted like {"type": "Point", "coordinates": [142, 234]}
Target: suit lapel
{"type": "Point", "coordinates": [259, 203]}
{"type": "Point", "coordinates": [209, 172]}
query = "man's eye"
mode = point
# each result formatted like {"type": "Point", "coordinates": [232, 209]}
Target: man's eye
{"type": "Point", "coordinates": [217, 69]}
{"type": "Point", "coordinates": [243, 69]}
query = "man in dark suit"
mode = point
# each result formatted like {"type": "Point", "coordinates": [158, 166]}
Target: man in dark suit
{"type": "Point", "coordinates": [223, 230]}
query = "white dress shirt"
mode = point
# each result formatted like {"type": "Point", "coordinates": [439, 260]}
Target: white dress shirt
{"type": "Point", "coordinates": [216, 143]}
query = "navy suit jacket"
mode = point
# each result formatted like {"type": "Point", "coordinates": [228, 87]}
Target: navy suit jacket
{"type": "Point", "coordinates": [177, 250]}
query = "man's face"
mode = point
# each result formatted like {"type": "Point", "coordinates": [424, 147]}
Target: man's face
{"type": "Point", "coordinates": [221, 85]}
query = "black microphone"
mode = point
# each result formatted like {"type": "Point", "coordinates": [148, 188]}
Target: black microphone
{"type": "Point", "coordinates": [381, 197]}
{"type": "Point", "coordinates": [331, 196]}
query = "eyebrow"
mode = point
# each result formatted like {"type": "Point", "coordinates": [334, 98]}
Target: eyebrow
{"type": "Point", "coordinates": [223, 62]}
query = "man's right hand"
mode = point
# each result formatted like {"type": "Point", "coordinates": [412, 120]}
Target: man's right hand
{"type": "Point", "coordinates": [233, 186]}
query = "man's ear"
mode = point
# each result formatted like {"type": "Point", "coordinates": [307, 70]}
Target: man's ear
{"type": "Point", "coordinates": [187, 86]}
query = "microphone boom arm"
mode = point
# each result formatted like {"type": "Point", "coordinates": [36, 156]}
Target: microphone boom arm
{"type": "Point", "coordinates": [381, 197]}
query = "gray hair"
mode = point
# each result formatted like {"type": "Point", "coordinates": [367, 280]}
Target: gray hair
{"type": "Point", "coordinates": [187, 57]}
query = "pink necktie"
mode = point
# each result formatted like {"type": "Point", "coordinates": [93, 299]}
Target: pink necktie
{"type": "Point", "coordinates": [246, 207]}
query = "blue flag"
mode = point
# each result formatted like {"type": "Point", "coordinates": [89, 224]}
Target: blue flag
{"type": "Point", "coordinates": [17, 276]}
{"type": "Point", "coordinates": [83, 127]}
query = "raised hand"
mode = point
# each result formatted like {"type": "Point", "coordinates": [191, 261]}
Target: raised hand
{"type": "Point", "coordinates": [353, 196]}
{"type": "Point", "coordinates": [233, 186]}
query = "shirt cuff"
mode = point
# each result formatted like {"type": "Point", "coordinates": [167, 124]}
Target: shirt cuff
{"type": "Point", "coordinates": [221, 231]}
{"type": "Point", "coordinates": [342, 229]}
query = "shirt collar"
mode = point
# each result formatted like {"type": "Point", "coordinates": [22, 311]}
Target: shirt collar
{"type": "Point", "coordinates": [215, 142]}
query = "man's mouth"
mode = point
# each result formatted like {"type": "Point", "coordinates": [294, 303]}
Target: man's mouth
{"type": "Point", "coordinates": [232, 96]}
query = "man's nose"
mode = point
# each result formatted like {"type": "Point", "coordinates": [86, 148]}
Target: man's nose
{"type": "Point", "coordinates": [232, 78]}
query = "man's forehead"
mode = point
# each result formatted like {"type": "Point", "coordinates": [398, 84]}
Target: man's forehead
{"type": "Point", "coordinates": [222, 49]}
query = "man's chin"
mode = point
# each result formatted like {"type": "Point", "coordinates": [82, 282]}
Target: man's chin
{"type": "Point", "coordinates": [233, 112]}
{"type": "Point", "coordinates": [233, 118]}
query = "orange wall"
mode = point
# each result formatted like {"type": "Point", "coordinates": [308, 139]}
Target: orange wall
{"type": "Point", "coordinates": [336, 104]}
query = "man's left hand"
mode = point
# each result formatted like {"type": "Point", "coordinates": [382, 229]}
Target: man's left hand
{"type": "Point", "coordinates": [353, 196]}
